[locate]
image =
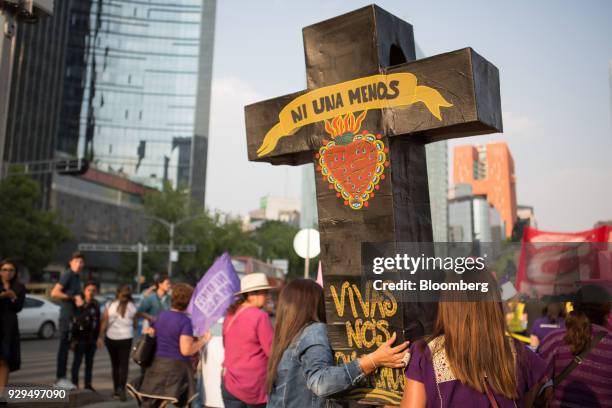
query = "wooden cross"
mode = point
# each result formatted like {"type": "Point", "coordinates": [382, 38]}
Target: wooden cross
{"type": "Point", "coordinates": [364, 120]}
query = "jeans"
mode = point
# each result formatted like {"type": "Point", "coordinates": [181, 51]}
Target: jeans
{"type": "Point", "coordinates": [64, 347]}
{"type": "Point", "coordinates": [229, 401]}
{"type": "Point", "coordinates": [87, 349]}
{"type": "Point", "coordinates": [119, 351]}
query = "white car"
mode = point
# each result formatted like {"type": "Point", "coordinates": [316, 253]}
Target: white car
{"type": "Point", "coordinates": [39, 317]}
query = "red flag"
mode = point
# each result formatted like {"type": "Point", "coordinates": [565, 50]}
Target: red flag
{"type": "Point", "coordinates": [554, 263]}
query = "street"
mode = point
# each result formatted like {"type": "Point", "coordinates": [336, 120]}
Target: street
{"type": "Point", "coordinates": [38, 363]}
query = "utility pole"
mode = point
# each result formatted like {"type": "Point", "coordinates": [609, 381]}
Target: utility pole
{"type": "Point", "coordinates": [12, 13]}
{"type": "Point", "coordinates": [171, 227]}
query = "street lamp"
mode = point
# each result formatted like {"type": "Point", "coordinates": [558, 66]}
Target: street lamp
{"type": "Point", "coordinates": [171, 226]}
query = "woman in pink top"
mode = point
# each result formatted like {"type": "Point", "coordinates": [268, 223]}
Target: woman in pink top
{"type": "Point", "coordinates": [247, 339]}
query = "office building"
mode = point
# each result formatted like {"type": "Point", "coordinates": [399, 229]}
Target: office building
{"type": "Point", "coordinates": [472, 218]}
{"type": "Point", "coordinates": [273, 208]}
{"type": "Point", "coordinates": [489, 170]}
{"type": "Point", "coordinates": [139, 76]}
{"type": "Point", "coordinates": [36, 93]}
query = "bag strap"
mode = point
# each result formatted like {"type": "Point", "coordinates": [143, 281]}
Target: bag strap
{"type": "Point", "coordinates": [490, 394]}
{"type": "Point", "coordinates": [229, 324]}
{"type": "Point", "coordinates": [578, 359]}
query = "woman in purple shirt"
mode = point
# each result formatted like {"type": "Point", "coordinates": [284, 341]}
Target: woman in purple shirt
{"type": "Point", "coordinates": [590, 383]}
{"type": "Point", "coordinates": [171, 375]}
{"type": "Point", "coordinates": [553, 319]}
{"type": "Point", "coordinates": [469, 360]}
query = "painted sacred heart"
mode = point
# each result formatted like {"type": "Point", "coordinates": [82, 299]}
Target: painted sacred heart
{"type": "Point", "coordinates": [353, 161]}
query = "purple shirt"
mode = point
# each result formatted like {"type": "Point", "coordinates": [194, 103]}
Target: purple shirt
{"type": "Point", "coordinates": [589, 384]}
{"type": "Point", "coordinates": [169, 327]}
{"type": "Point", "coordinates": [444, 390]}
{"type": "Point", "coordinates": [542, 327]}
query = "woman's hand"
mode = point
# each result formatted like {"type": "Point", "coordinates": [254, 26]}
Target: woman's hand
{"type": "Point", "coordinates": [207, 336]}
{"type": "Point", "coordinates": [9, 294]}
{"type": "Point", "coordinates": [388, 356]}
{"type": "Point", "coordinates": [149, 331]}
{"type": "Point", "coordinates": [100, 343]}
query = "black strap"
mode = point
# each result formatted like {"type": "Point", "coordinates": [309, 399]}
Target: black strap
{"type": "Point", "coordinates": [578, 359]}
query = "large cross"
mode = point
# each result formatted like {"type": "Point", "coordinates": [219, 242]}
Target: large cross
{"type": "Point", "coordinates": [364, 120]}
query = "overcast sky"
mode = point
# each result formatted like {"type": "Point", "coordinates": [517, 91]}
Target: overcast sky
{"type": "Point", "coordinates": [554, 61]}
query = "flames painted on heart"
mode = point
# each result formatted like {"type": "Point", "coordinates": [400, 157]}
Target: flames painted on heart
{"type": "Point", "coordinates": [353, 162]}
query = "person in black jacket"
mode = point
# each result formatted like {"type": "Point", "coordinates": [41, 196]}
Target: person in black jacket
{"type": "Point", "coordinates": [12, 295]}
{"type": "Point", "coordinates": [85, 331]}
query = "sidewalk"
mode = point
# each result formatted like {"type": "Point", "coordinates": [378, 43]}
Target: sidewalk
{"type": "Point", "coordinates": [130, 403]}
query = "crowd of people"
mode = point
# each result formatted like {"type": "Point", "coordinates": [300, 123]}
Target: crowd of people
{"type": "Point", "coordinates": [468, 360]}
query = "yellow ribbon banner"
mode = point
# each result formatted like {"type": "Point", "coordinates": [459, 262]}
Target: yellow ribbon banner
{"type": "Point", "coordinates": [373, 92]}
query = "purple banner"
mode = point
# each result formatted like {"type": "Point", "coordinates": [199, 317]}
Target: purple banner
{"type": "Point", "coordinates": [214, 294]}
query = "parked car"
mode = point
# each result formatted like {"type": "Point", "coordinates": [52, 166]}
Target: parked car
{"type": "Point", "coordinates": [39, 317]}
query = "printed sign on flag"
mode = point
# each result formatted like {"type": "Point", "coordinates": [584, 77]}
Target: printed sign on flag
{"type": "Point", "coordinates": [213, 295]}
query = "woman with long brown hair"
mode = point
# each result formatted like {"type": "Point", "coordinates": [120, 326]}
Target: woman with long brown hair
{"type": "Point", "coordinates": [116, 332]}
{"type": "Point", "coordinates": [589, 384]}
{"type": "Point", "coordinates": [469, 360]}
{"type": "Point", "coordinates": [12, 296]}
{"type": "Point", "coordinates": [301, 369]}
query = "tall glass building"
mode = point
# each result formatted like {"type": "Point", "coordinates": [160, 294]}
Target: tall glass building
{"type": "Point", "coordinates": [137, 84]}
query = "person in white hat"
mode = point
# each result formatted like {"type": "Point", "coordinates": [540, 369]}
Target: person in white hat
{"type": "Point", "coordinates": [247, 339]}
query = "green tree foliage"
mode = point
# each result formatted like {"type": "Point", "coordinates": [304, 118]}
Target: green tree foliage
{"type": "Point", "coordinates": [212, 233]}
{"type": "Point", "coordinates": [29, 234]}
{"type": "Point", "coordinates": [275, 238]}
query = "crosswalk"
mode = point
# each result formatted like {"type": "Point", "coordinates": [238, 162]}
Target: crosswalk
{"type": "Point", "coordinates": [38, 366]}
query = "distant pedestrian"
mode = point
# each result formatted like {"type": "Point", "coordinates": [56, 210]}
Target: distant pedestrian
{"type": "Point", "coordinates": [247, 338]}
{"type": "Point", "coordinates": [158, 301]}
{"type": "Point", "coordinates": [12, 295]}
{"type": "Point", "coordinates": [117, 330]}
{"type": "Point", "coordinates": [85, 331]}
{"type": "Point", "coordinates": [553, 319]}
{"type": "Point", "coordinates": [170, 378]}
{"type": "Point", "coordinates": [68, 291]}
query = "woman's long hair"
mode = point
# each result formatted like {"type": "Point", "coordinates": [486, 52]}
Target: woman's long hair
{"type": "Point", "coordinates": [234, 306]}
{"type": "Point", "coordinates": [591, 306]}
{"type": "Point", "coordinates": [475, 341]}
{"type": "Point", "coordinates": [124, 296]}
{"type": "Point", "coordinates": [299, 304]}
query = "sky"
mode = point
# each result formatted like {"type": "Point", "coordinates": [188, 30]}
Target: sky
{"type": "Point", "coordinates": [554, 62]}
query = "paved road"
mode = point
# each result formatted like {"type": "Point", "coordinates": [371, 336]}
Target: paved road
{"type": "Point", "coordinates": [38, 363]}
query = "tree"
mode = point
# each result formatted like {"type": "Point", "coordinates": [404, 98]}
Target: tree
{"type": "Point", "coordinates": [29, 234]}
{"type": "Point", "coordinates": [211, 233]}
{"type": "Point", "coordinates": [275, 241]}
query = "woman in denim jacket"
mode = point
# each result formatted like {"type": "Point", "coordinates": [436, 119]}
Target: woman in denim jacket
{"type": "Point", "coordinates": [301, 369]}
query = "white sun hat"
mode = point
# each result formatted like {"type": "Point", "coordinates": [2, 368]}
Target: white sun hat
{"type": "Point", "coordinates": [253, 282]}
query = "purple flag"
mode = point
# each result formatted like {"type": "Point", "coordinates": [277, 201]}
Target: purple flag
{"type": "Point", "coordinates": [214, 294]}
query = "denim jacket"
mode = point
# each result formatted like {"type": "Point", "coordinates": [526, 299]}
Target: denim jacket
{"type": "Point", "coordinates": [306, 374]}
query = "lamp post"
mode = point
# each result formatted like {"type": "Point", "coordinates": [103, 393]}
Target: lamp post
{"type": "Point", "coordinates": [171, 227]}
